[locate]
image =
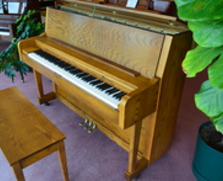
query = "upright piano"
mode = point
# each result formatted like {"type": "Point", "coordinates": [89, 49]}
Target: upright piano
{"type": "Point", "coordinates": [119, 69]}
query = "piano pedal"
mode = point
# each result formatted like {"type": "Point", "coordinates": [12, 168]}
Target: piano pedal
{"type": "Point", "coordinates": [92, 128]}
{"type": "Point", "coordinates": [88, 125]}
{"type": "Point", "coordinates": [84, 122]}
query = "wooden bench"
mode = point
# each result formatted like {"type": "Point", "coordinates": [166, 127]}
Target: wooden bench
{"type": "Point", "coordinates": [26, 135]}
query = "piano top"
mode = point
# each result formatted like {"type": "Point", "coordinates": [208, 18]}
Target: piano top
{"type": "Point", "coordinates": [147, 20]}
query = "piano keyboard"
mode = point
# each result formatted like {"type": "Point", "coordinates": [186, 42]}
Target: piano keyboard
{"type": "Point", "coordinates": [103, 91]}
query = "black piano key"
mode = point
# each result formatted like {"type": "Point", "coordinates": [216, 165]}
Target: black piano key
{"type": "Point", "coordinates": [103, 86]}
{"type": "Point", "coordinates": [55, 61]}
{"type": "Point", "coordinates": [111, 91]}
{"type": "Point", "coordinates": [74, 71]}
{"type": "Point", "coordinates": [48, 57]}
{"type": "Point", "coordinates": [85, 76]}
{"type": "Point", "coordinates": [40, 52]}
{"type": "Point", "coordinates": [63, 64]}
{"type": "Point", "coordinates": [69, 68]}
{"type": "Point", "coordinates": [45, 55]}
{"type": "Point", "coordinates": [88, 78]}
{"type": "Point", "coordinates": [96, 82]}
{"type": "Point", "coordinates": [119, 95]}
{"type": "Point", "coordinates": [82, 74]}
{"type": "Point", "coordinates": [116, 94]}
{"type": "Point", "coordinates": [98, 86]}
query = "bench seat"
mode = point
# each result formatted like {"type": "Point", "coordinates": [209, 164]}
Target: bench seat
{"type": "Point", "coordinates": [26, 135]}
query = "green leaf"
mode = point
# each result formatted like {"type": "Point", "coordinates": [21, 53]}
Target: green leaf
{"type": "Point", "coordinates": [19, 19]}
{"type": "Point", "coordinates": [207, 33]}
{"type": "Point", "coordinates": [215, 73]}
{"type": "Point", "coordinates": [20, 27]}
{"type": "Point", "coordinates": [209, 100]}
{"type": "Point", "coordinates": [9, 70]}
{"type": "Point", "coordinates": [27, 28]}
{"type": "Point", "coordinates": [218, 123]}
{"type": "Point", "coordinates": [199, 58]}
{"type": "Point", "coordinates": [2, 66]}
{"type": "Point", "coordinates": [21, 67]}
{"type": "Point", "coordinates": [39, 26]}
{"type": "Point", "coordinates": [199, 10]}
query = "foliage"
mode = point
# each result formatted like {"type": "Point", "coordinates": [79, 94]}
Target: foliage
{"type": "Point", "coordinates": [27, 26]}
{"type": "Point", "coordinates": [205, 20]}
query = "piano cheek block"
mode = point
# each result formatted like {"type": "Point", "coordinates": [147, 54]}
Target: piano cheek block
{"type": "Point", "coordinates": [138, 104]}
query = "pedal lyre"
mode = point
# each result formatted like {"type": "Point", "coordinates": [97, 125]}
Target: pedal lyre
{"type": "Point", "coordinates": [88, 125]}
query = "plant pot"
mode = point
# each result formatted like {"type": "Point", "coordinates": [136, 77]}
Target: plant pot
{"type": "Point", "coordinates": [208, 162]}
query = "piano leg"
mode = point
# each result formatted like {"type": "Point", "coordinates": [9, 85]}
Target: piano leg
{"type": "Point", "coordinates": [134, 167]}
{"type": "Point", "coordinates": [42, 98]}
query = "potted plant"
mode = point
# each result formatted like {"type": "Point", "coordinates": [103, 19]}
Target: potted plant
{"type": "Point", "coordinates": [205, 20]}
{"type": "Point", "coordinates": [28, 25]}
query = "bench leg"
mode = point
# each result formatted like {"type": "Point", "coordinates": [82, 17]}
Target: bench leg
{"type": "Point", "coordinates": [63, 160]}
{"type": "Point", "coordinates": [18, 171]}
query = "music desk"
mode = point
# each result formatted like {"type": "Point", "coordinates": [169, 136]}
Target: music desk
{"type": "Point", "coordinates": [26, 135]}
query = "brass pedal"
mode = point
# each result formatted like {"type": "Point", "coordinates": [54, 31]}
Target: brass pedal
{"type": "Point", "coordinates": [84, 122]}
{"type": "Point", "coordinates": [88, 125]}
{"type": "Point", "coordinates": [92, 128]}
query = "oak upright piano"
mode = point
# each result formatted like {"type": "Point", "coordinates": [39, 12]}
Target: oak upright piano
{"type": "Point", "coordinates": [119, 69]}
